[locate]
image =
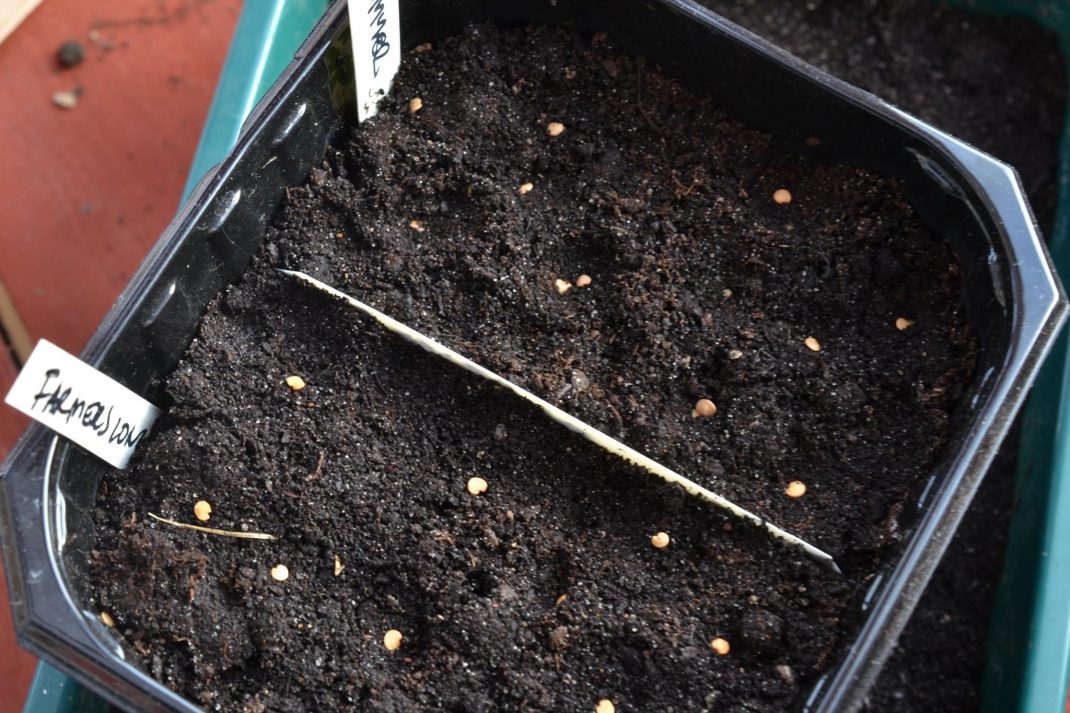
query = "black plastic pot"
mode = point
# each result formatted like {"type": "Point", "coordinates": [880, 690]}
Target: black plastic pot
{"type": "Point", "coordinates": [48, 486]}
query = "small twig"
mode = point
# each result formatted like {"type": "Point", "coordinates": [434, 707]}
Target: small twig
{"type": "Point", "coordinates": [214, 531]}
{"type": "Point", "coordinates": [319, 468]}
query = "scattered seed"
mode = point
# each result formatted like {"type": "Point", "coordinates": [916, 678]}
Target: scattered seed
{"type": "Point", "coordinates": [782, 196]}
{"type": "Point", "coordinates": [295, 382]}
{"type": "Point", "coordinates": [903, 324]}
{"type": "Point", "coordinates": [795, 489]}
{"type": "Point", "coordinates": [720, 646]}
{"type": "Point", "coordinates": [726, 293]}
{"type": "Point", "coordinates": [477, 486]}
{"type": "Point", "coordinates": [704, 408]}
{"type": "Point", "coordinates": [660, 540]}
{"type": "Point", "coordinates": [280, 573]}
{"type": "Point", "coordinates": [202, 510]}
{"type": "Point", "coordinates": [562, 286]}
{"type": "Point", "coordinates": [605, 706]}
{"type": "Point", "coordinates": [813, 141]}
{"type": "Point", "coordinates": [525, 188]}
{"type": "Point", "coordinates": [392, 640]}
{"type": "Point", "coordinates": [570, 73]}
{"type": "Point", "coordinates": [65, 100]}
{"type": "Point", "coordinates": [415, 105]}
{"type": "Point", "coordinates": [106, 619]}
{"type": "Point", "coordinates": [583, 281]}
{"type": "Point", "coordinates": [734, 354]}
{"type": "Point", "coordinates": [338, 566]}
{"type": "Point", "coordinates": [422, 48]}
{"type": "Point", "coordinates": [560, 600]}
{"type": "Point", "coordinates": [555, 128]}
{"type": "Point", "coordinates": [417, 225]}
{"type": "Point", "coordinates": [812, 344]}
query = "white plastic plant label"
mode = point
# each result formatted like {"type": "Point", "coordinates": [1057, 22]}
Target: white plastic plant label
{"type": "Point", "coordinates": [77, 401]}
{"type": "Point", "coordinates": [375, 26]}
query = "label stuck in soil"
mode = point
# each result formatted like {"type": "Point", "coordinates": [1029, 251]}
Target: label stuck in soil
{"type": "Point", "coordinates": [77, 401]}
{"type": "Point", "coordinates": [376, 31]}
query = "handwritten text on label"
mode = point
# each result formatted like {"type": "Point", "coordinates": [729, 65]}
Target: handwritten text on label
{"type": "Point", "coordinates": [77, 401]}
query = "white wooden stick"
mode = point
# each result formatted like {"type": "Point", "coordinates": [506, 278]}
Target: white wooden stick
{"type": "Point", "coordinates": [569, 421]}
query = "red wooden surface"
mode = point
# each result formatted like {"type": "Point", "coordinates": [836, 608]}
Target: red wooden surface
{"type": "Point", "coordinates": [84, 192]}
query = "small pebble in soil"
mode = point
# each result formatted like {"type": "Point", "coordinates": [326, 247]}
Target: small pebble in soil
{"type": "Point", "coordinates": [105, 617]}
{"type": "Point", "coordinates": [555, 128]}
{"type": "Point", "coordinates": [562, 286]}
{"type": "Point", "coordinates": [720, 646]}
{"type": "Point", "coordinates": [704, 408]}
{"type": "Point", "coordinates": [734, 354]}
{"type": "Point", "coordinates": [392, 640]}
{"type": "Point", "coordinates": [795, 489]}
{"type": "Point", "coordinates": [583, 281]}
{"type": "Point", "coordinates": [525, 188]}
{"type": "Point", "coordinates": [660, 540]}
{"type": "Point", "coordinates": [812, 344]}
{"type": "Point", "coordinates": [782, 196]}
{"type": "Point", "coordinates": [903, 324]}
{"type": "Point", "coordinates": [417, 225]}
{"type": "Point", "coordinates": [605, 706]}
{"type": "Point", "coordinates": [786, 674]}
{"type": "Point", "coordinates": [65, 99]}
{"type": "Point", "coordinates": [280, 573]}
{"type": "Point", "coordinates": [295, 382]}
{"type": "Point", "coordinates": [70, 53]}
{"type": "Point", "coordinates": [477, 486]}
{"type": "Point", "coordinates": [338, 566]}
{"type": "Point", "coordinates": [415, 105]}
{"type": "Point", "coordinates": [202, 510]}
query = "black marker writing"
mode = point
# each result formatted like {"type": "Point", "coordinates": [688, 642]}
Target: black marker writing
{"type": "Point", "coordinates": [95, 416]}
{"type": "Point", "coordinates": [380, 45]}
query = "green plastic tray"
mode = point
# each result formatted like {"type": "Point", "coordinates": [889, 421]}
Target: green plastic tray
{"type": "Point", "coordinates": [1029, 643]}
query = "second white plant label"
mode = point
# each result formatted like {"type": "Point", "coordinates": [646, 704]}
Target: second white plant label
{"type": "Point", "coordinates": [375, 26]}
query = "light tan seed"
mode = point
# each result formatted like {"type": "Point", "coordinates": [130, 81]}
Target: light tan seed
{"type": "Point", "coordinates": [813, 141]}
{"type": "Point", "coordinates": [660, 540]}
{"type": "Point", "coordinates": [726, 293]}
{"type": "Point", "coordinates": [338, 566]}
{"type": "Point", "coordinates": [525, 188]}
{"type": "Point", "coordinates": [562, 286]}
{"type": "Point", "coordinates": [782, 196]}
{"type": "Point", "coordinates": [422, 48]}
{"type": "Point", "coordinates": [570, 73]}
{"type": "Point", "coordinates": [392, 640]}
{"type": "Point", "coordinates": [583, 281]}
{"type": "Point", "coordinates": [555, 128]}
{"type": "Point", "coordinates": [202, 510]}
{"type": "Point", "coordinates": [280, 573]}
{"type": "Point", "coordinates": [106, 619]}
{"type": "Point", "coordinates": [734, 354]}
{"type": "Point", "coordinates": [477, 486]}
{"type": "Point", "coordinates": [812, 344]}
{"type": "Point", "coordinates": [295, 382]}
{"type": "Point", "coordinates": [560, 600]}
{"type": "Point", "coordinates": [417, 225]}
{"type": "Point", "coordinates": [704, 408]}
{"type": "Point", "coordinates": [903, 324]}
{"type": "Point", "coordinates": [605, 706]}
{"type": "Point", "coordinates": [720, 646]}
{"type": "Point", "coordinates": [415, 105]}
{"type": "Point", "coordinates": [795, 489]}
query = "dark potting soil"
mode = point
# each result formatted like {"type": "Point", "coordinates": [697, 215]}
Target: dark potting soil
{"type": "Point", "coordinates": [701, 286]}
{"type": "Point", "coordinates": [999, 83]}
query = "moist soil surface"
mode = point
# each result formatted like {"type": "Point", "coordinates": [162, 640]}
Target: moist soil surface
{"type": "Point", "coordinates": [701, 286]}
{"type": "Point", "coordinates": [999, 83]}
